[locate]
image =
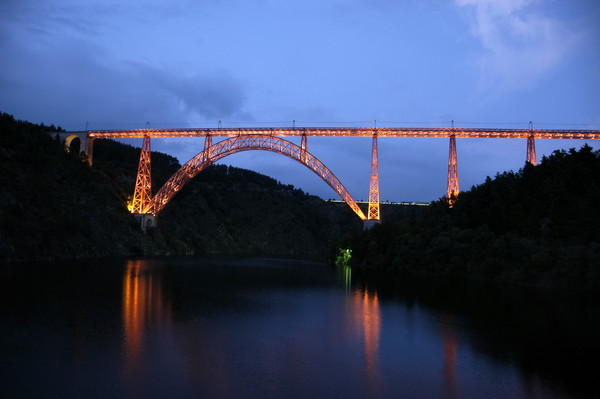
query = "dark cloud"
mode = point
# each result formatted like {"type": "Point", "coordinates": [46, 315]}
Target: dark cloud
{"type": "Point", "coordinates": [211, 95]}
{"type": "Point", "coordinates": [60, 72]}
{"type": "Point", "coordinates": [73, 83]}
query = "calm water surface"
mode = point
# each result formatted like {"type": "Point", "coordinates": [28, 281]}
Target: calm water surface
{"type": "Point", "coordinates": [264, 328]}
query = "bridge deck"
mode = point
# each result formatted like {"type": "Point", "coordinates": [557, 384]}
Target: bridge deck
{"type": "Point", "coordinates": [352, 132]}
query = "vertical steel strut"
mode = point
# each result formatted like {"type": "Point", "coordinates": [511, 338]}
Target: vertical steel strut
{"type": "Point", "coordinates": [452, 172]}
{"type": "Point", "coordinates": [207, 146]}
{"type": "Point", "coordinates": [303, 148]}
{"type": "Point", "coordinates": [374, 186]}
{"type": "Point", "coordinates": [143, 192]}
{"type": "Point", "coordinates": [531, 157]}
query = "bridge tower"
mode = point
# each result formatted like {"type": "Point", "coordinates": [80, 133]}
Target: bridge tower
{"type": "Point", "coordinates": [143, 185]}
{"type": "Point", "coordinates": [303, 145]}
{"type": "Point", "coordinates": [373, 215]}
{"type": "Point", "coordinates": [452, 192]}
{"type": "Point", "coordinates": [531, 157]}
{"type": "Point", "coordinates": [207, 146]}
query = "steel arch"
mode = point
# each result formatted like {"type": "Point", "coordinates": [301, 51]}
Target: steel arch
{"type": "Point", "coordinates": [213, 153]}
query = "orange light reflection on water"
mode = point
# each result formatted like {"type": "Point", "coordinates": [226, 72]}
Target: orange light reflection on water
{"type": "Point", "coordinates": [367, 318]}
{"type": "Point", "coordinates": [143, 305]}
{"type": "Point", "coordinates": [450, 347]}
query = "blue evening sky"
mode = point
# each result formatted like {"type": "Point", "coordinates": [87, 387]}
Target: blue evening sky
{"type": "Point", "coordinates": [482, 63]}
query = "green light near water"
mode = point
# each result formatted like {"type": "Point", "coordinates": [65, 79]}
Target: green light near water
{"type": "Point", "coordinates": [348, 278]}
{"type": "Point", "coordinates": [343, 263]}
{"type": "Point", "coordinates": [344, 256]}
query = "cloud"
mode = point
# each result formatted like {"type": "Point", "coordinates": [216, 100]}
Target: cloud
{"type": "Point", "coordinates": [209, 96]}
{"type": "Point", "coordinates": [74, 82]}
{"type": "Point", "coordinates": [62, 68]}
{"type": "Point", "coordinates": [521, 46]}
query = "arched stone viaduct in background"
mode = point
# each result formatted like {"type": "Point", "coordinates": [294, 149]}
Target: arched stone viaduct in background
{"type": "Point", "coordinates": [86, 142]}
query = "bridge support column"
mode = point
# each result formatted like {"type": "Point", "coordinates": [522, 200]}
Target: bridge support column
{"type": "Point", "coordinates": [452, 192]}
{"type": "Point", "coordinates": [369, 223]}
{"type": "Point", "coordinates": [89, 150]}
{"type": "Point", "coordinates": [146, 220]}
{"type": "Point", "coordinates": [207, 146]}
{"type": "Point", "coordinates": [374, 184]}
{"type": "Point", "coordinates": [303, 149]}
{"type": "Point", "coordinates": [531, 157]}
{"type": "Point", "coordinates": [143, 185]}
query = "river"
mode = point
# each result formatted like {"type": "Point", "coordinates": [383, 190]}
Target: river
{"type": "Point", "coordinates": [267, 328]}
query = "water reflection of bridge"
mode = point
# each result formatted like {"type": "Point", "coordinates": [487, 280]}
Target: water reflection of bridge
{"type": "Point", "coordinates": [367, 319]}
{"type": "Point", "coordinates": [147, 308]}
{"type": "Point", "coordinates": [147, 206]}
{"type": "Point", "coordinates": [144, 305]}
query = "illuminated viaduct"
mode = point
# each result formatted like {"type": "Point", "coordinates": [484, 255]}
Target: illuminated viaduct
{"type": "Point", "coordinates": [147, 206]}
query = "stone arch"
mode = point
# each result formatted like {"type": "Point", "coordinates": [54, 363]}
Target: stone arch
{"type": "Point", "coordinates": [86, 143]}
{"type": "Point", "coordinates": [247, 143]}
{"type": "Point", "coordinates": [69, 140]}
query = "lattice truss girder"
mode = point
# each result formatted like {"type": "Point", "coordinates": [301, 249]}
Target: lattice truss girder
{"type": "Point", "coordinates": [352, 132]}
{"type": "Point", "coordinates": [214, 153]}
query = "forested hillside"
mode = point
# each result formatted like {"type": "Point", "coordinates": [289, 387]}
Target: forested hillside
{"type": "Point", "coordinates": [53, 205]}
{"type": "Point", "coordinates": [540, 225]}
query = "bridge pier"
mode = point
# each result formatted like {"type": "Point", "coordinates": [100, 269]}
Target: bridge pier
{"type": "Point", "coordinates": [369, 223]}
{"type": "Point", "coordinates": [303, 149]}
{"type": "Point", "coordinates": [207, 146]}
{"type": "Point", "coordinates": [452, 172]}
{"type": "Point", "coordinates": [531, 157]}
{"type": "Point", "coordinates": [374, 183]}
{"type": "Point", "coordinates": [143, 183]}
{"type": "Point", "coordinates": [146, 220]}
